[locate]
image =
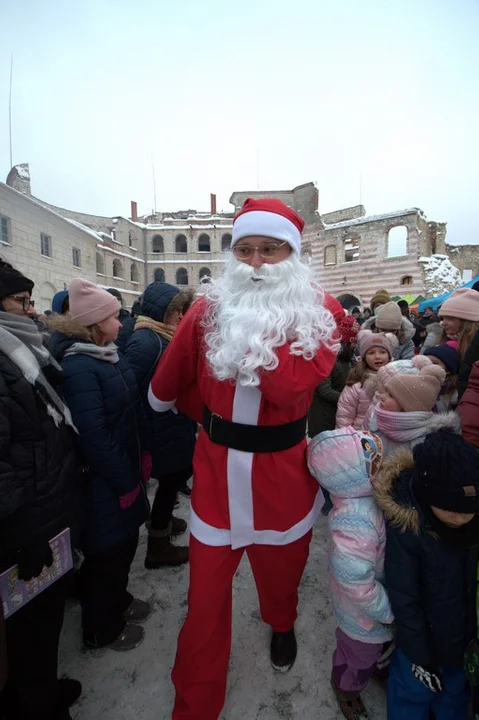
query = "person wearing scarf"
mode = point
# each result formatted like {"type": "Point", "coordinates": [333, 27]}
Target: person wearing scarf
{"type": "Point", "coordinates": [102, 394]}
{"type": "Point", "coordinates": [404, 415]}
{"type": "Point", "coordinates": [173, 436]}
{"type": "Point", "coordinates": [40, 492]}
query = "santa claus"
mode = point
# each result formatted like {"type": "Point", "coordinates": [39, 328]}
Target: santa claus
{"type": "Point", "coordinates": [244, 362]}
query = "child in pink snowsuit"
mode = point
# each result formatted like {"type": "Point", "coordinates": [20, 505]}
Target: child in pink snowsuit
{"type": "Point", "coordinates": [345, 462]}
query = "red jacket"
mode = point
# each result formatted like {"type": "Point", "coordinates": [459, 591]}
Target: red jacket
{"type": "Point", "coordinates": [242, 498]}
{"type": "Point", "coordinates": [468, 408]}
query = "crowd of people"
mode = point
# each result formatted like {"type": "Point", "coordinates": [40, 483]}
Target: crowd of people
{"type": "Point", "coordinates": [225, 388]}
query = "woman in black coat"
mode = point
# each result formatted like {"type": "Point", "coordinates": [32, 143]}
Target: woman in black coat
{"type": "Point", "coordinates": [40, 497]}
{"type": "Point", "coordinates": [172, 435]}
{"type": "Point", "coordinates": [103, 397]}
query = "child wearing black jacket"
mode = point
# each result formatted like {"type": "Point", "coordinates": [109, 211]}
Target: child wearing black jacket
{"type": "Point", "coordinates": [430, 500]}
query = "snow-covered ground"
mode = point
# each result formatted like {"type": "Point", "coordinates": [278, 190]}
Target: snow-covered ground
{"type": "Point", "coordinates": [136, 685]}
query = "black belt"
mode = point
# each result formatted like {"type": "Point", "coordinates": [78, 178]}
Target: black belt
{"type": "Point", "coordinates": [253, 438]}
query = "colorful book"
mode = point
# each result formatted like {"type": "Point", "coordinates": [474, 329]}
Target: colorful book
{"type": "Point", "coordinates": [15, 593]}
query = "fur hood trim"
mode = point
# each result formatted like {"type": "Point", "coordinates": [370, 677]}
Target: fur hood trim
{"type": "Point", "coordinates": [445, 421]}
{"type": "Point", "coordinates": [66, 326]}
{"type": "Point", "coordinates": [403, 517]}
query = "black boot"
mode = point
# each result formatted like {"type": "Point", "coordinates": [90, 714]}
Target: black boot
{"type": "Point", "coordinates": [283, 650]}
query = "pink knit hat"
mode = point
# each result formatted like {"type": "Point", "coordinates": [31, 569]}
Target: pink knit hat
{"type": "Point", "coordinates": [462, 304]}
{"type": "Point", "coordinates": [89, 304]}
{"type": "Point", "coordinates": [401, 367]}
{"type": "Point", "coordinates": [417, 393]}
{"type": "Point", "coordinates": [367, 340]}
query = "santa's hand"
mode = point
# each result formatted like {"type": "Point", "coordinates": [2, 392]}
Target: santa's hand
{"type": "Point", "coordinates": [429, 677]}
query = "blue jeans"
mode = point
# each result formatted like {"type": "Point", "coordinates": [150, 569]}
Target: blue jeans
{"type": "Point", "coordinates": [409, 699]}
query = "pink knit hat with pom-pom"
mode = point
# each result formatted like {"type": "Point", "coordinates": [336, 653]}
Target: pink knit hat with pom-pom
{"type": "Point", "coordinates": [367, 340]}
{"type": "Point", "coordinates": [417, 393]}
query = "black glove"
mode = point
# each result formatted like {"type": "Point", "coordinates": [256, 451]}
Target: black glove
{"type": "Point", "coordinates": [429, 677]}
{"type": "Point", "coordinates": [33, 558]}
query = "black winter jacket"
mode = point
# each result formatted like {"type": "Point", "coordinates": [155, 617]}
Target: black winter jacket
{"type": "Point", "coordinates": [40, 485]}
{"type": "Point", "coordinates": [431, 586]}
{"type": "Point", "coordinates": [104, 401]}
{"type": "Point", "coordinates": [322, 414]}
{"type": "Point", "coordinates": [172, 439]}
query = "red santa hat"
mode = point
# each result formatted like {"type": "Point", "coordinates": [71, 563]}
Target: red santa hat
{"type": "Point", "coordinates": [268, 218]}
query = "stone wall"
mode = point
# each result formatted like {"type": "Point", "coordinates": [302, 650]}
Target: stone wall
{"type": "Point", "coordinates": [351, 213]}
{"type": "Point", "coordinates": [464, 257]}
{"type": "Point", "coordinates": [303, 199]}
{"type": "Point", "coordinates": [353, 257]}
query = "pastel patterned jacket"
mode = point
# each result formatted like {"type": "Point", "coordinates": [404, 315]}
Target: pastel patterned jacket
{"type": "Point", "coordinates": [344, 461]}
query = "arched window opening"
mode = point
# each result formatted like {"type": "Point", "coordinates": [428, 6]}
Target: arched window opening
{"type": "Point", "coordinates": [159, 275]}
{"type": "Point", "coordinates": [117, 268]}
{"type": "Point", "coordinates": [158, 244]}
{"type": "Point", "coordinates": [181, 246]}
{"type": "Point", "coordinates": [182, 276]}
{"type": "Point", "coordinates": [204, 244]}
{"type": "Point", "coordinates": [134, 275]}
{"type": "Point", "coordinates": [226, 242]}
{"type": "Point", "coordinates": [406, 280]}
{"type": "Point", "coordinates": [397, 241]}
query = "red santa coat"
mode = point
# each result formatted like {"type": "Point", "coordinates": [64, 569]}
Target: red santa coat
{"type": "Point", "coordinates": [241, 498]}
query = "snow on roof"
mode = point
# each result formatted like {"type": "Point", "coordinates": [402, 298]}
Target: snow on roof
{"type": "Point", "coordinates": [375, 218]}
{"type": "Point", "coordinates": [188, 227]}
{"type": "Point", "coordinates": [33, 200]}
{"type": "Point", "coordinates": [80, 226]}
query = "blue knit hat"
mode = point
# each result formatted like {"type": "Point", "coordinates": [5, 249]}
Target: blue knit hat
{"type": "Point", "coordinates": [448, 355]}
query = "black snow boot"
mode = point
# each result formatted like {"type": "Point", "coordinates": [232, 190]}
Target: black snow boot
{"type": "Point", "coordinates": [283, 650]}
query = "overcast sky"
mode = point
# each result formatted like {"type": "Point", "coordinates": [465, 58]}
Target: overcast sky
{"type": "Point", "coordinates": [325, 90]}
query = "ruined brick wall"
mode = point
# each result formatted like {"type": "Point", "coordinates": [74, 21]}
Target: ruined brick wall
{"type": "Point", "coordinates": [351, 213]}
{"type": "Point", "coordinates": [464, 257]}
{"type": "Point", "coordinates": [303, 199]}
{"type": "Point", "coordinates": [353, 257]}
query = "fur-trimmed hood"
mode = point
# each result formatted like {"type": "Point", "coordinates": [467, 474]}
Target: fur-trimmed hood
{"type": "Point", "coordinates": [391, 488]}
{"type": "Point", "coordinates": [391, 492]}
{"type": "Point", "coordinates": [66, 332]}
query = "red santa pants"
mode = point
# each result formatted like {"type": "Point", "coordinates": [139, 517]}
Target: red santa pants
{"type": "Point", "coordinates": [204, 644]}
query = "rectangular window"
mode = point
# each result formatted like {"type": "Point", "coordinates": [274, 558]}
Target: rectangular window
{"type": "Point", "coordinates": [45, 245]}
{"type": "Point", "coordinates": [4, 230]}
{"type": "Point", "coordinates": [330, 255]}
{"type": "Point", "coordinates": [76, 257]}
{"type": "Point", "coordinates": [351, 249]}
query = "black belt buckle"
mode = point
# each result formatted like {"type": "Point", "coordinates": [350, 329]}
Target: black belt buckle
{"type": "Point", "coordinates": [210, 426]}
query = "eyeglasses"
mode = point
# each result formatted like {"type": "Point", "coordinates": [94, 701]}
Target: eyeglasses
{"type": "Point", "coordinates": [246, 252]}
{"type": "Point", "coordinates": [25, 302]}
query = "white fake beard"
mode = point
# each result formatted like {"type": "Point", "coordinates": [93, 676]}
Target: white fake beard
{"type": "Point", "coordinates": [253, 311]}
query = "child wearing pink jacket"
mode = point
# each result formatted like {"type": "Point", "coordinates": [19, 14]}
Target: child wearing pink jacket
{"type": "Point", "coordinates": [376, 350]}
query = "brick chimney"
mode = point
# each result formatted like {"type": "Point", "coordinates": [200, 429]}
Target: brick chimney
{"type": "Point", "coordinates": [134, 211]}
{"type": "Point", "coordinates": [213, 203]}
